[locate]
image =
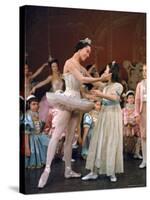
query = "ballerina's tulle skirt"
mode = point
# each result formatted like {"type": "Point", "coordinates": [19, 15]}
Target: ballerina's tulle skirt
{"type": "Point", "coordinates": [69, 102]}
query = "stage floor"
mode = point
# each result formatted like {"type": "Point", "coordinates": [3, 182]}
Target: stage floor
{"type": "Point", "coordinates": [132, 177]}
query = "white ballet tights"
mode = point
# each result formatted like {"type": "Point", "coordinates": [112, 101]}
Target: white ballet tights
{"type": "Point", "coordinates": [69, 139]}
{"type": "Point", "coordinates": [60, 121]}
{"type": "Point", "coordinates": [63, 120]}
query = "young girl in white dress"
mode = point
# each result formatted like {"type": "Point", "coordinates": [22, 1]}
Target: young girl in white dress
{"type": "Point", "coordinates": [105, 154]}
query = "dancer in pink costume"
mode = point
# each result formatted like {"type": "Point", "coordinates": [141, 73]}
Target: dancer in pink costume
{"type": "Point", "coordinates": [57, 83]}
{"type": "Point", "coordinates": [140, 112]}
{"type": "Point", "coordinates": [131, 131]}
{"type": "Point", "coordinates": [69, 103]}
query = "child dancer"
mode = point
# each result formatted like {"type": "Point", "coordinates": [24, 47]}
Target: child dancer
{"type": "Point", "coordinates": [131, 128]}
{"type": "Point", "coordinates": [89, 121]}
{"type": "Point", "coordinates": [36, 141]}
{"type": "Point", "coordinates": [105, 154]}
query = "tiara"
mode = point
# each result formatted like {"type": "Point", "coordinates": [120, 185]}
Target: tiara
{"type": "Point", "coordinates": [86, 40]}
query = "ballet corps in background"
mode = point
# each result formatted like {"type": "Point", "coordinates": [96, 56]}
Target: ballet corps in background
{"type": "Point", "coordinates": [82, 110]}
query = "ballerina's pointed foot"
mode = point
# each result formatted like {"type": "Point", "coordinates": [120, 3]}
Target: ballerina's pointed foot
{"type": "Point", "coordinates": [44, 178]}
{"type": "Point", "coordinates": [69, 173]}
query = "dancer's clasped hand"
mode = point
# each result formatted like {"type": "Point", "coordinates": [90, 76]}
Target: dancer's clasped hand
{"type": "Point", "coordinates": [97, 93]}
{"type": "Point", "coordinates": [105, 76]}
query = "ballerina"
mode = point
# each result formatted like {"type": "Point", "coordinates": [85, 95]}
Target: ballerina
{"type": "Point", "coordinates": [69, 103]}
{"type": "Point", "coordinates": [57, 83]}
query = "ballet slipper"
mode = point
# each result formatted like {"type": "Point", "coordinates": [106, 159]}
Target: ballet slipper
{"type": "Point", "coordinates": [69, 173]}
{"type": "Point", "coordinates": [44, 178]}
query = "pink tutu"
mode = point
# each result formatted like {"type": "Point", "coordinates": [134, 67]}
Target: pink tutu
{"type": "Point", "coordinates": [44, 109]}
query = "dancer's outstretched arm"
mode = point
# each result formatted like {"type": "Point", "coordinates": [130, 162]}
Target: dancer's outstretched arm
{"type": "Point", "coordinates": [41, 84]}
{"type": "Point", "coordinates": [38, 71]}
{"type": "Point", "coordinates": [75, 71]}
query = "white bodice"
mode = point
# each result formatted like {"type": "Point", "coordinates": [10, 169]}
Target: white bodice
{"type": "Point", "coordinates": [71, 82]}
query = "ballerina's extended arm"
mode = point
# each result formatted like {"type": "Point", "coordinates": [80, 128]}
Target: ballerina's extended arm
{"type": "Point", "coordinates": [41, 84]}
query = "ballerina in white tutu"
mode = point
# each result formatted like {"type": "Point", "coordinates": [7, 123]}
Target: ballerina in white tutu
{"type": "Point", "coordinates": [69, 103]}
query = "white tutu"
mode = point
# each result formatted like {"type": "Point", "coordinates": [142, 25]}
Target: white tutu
{"type": "Point", "coordinates": [69, 102]}
{"type": "Point", "coordinates": [70, 99]}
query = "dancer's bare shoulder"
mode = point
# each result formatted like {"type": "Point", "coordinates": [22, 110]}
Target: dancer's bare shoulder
{"type": "Point", "coordinates": [68, 65]}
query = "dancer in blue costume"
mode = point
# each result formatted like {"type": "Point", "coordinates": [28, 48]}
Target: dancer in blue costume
{"type": "Point", "coordinates": [36, 141]}
{"type": "Point", "coordinates": [89, 122]}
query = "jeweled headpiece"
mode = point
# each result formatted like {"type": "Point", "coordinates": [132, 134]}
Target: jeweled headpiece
{"type": "Point", "coordinates": [86, 40]}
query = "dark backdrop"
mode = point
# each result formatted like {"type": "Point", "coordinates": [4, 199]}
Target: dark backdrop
{"type": "Point", "coordinates": [115, 35]}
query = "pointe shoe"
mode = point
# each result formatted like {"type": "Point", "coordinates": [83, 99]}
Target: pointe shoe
{"type": "Point", "coordinates": [90, 176]}
{"type": "Point", "coordinates": [69, 173]}
{"type": "Point", "coordinates": [142, 165]}
{"type": "Point", "coordinates": [113, 178]}
{"type": "Point", "coordinates": [44, 178]}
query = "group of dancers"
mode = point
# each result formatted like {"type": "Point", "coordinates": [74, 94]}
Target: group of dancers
{"type": "Point", "coordinates": [105, 151]}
